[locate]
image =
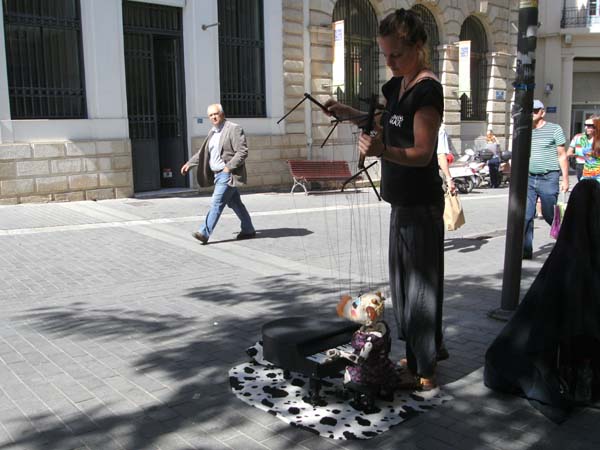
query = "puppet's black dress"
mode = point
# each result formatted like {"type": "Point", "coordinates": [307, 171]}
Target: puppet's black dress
{"type": "Point", "coordinates": [555, 331]}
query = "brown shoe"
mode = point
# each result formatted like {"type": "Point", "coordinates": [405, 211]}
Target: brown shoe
{"type": "Point", "coordinates": [200, 237]}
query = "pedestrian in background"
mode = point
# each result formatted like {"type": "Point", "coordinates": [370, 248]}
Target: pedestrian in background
{"type": "Point", "coordinates": [406, 142]}
{"type": "Point", "coordinates": [591, 154]}
{"type": "Point", "coordinates": [443, 151]}
{"type": "Point", "coordinates": [548, 159]}
{"type": "Point", "coordinates": [493, 163]}
{"type": "Point", "coordinates": [581, 143]}
{"type": "Point", "coordinates": [222, 159]}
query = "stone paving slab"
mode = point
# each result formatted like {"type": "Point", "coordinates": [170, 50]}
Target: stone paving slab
{"type": "Point", "coordinates": [118, 329]}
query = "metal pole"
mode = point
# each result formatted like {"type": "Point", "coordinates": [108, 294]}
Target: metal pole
{"type": "Point", "coordinates": [522, 109]}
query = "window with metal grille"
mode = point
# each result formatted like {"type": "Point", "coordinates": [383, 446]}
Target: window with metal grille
{"type": "Point", "coordinates": [473, 108]}
{"type": "Point", "coordinates": [361, 54]}
{"type": "Point", "coordinates": [242, 58]}
{"type": "Point", "coordinates": [433, 36]}
{"type": "Point", "coordinates": [44, 59]}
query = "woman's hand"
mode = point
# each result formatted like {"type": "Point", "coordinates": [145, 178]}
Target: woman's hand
{"type": "Point", "coordinates": [370, 146]}
{"type": "Point", "coordinates": [342, 112]}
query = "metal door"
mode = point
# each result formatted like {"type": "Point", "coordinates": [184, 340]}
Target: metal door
{"type": "Point", "coordinates": [155, 94]}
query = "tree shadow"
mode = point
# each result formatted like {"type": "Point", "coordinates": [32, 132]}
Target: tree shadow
{"type": "Point", "coordinates": [192, 353]}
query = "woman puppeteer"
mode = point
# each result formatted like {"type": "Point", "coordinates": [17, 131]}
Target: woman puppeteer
{"type": "Point", "coordinates": [406, 142]}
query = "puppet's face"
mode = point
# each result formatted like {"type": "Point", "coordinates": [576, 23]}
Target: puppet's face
{"type": "Point", "coordinates": [366, 309]}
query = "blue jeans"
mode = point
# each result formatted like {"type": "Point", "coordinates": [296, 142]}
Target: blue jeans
{"type": "Point", "coordinates": [546, 188]}
{"type": "Point", "coordinates": [224, 194]}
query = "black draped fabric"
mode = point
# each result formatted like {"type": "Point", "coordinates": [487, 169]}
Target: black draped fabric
{"type": "Point", "coordinates": [558, 322]}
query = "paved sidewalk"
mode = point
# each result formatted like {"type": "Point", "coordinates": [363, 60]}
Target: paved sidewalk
{"type": "Point", "coordinates": [118, 329]}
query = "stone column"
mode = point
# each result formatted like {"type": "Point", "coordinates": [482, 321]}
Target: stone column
{"type": "Point", "coordinates": [566, 94]}
{"type": "Point", "coordinates": [449, 79]}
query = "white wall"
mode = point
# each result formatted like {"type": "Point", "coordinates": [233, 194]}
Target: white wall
{"type": "Point", "coordinates": [201, 50]}
{"type": "Point", "coordinates": [102, 38]}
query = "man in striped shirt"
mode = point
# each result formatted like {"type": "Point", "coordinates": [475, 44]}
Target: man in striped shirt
{"type": "Point", "coordinates": [547, 161]}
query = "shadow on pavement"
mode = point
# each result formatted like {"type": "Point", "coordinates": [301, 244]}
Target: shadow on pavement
{"type": "Point", "coordinates": [464, 245]}
{"type": "Point", "coordinates": [188, 357]}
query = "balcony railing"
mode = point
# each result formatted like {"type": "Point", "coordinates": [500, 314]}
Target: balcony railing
{"type": "Point", "coordinates": [578, 18]}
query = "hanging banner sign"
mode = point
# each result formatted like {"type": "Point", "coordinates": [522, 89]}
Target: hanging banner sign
{"type": "Point", "coordinates": [339, 75]}
{"type": "Point", "coordinates": [464, 68]}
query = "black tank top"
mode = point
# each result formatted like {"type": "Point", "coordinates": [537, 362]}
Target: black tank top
{"type": "Point", "coordinates": [403, 185]}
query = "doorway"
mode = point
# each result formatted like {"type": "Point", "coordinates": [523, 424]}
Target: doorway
{"type": "Point", "coordinates": [155, 95]}
{"type": "Point", "coordinates": [579, 114]}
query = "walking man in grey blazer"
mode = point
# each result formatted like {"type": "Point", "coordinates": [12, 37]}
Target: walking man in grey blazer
{"type": "Point", "coordinates": [222, 159]}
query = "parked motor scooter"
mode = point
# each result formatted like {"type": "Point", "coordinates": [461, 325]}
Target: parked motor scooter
{"type": "Point", "coordinates": [465, 172]}
{"type": "Point", "coordinates": [463, 175]}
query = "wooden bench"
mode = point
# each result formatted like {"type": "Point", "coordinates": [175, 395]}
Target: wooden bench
{"type": "Point", "coordinates": [304, 171]}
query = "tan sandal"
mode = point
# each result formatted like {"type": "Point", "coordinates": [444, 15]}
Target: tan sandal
{"type": "Point", "coordinates": [427, 384]}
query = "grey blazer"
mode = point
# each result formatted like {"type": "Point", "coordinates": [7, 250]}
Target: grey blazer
{"type": "Point", "coordinates": [234, 152]}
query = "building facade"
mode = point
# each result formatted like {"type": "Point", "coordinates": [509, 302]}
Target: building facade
{"type": "Point", "coordinates": [108, 99]}
{"type": "Point", "coordinates": [568, 62]}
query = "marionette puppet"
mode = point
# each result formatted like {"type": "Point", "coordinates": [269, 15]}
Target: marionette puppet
{"type": "Point", "coordinates": [370, 371]}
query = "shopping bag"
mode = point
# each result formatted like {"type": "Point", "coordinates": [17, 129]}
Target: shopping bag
{"type": "Point", "coordinates": [559, 212]}
{"type": "Point", "coordinates": [454, 217]}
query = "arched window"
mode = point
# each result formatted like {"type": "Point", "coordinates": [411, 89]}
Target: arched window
{"type": "Point", "coordinates": [361, 55]}
{"type": "Point", "coordinates": [473, 108]}
{"type": "Point", "coordinates": [433, 37]}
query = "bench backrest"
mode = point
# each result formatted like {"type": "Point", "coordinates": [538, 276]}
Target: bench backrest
{"type": "Point", "coordinates": [319, 169]}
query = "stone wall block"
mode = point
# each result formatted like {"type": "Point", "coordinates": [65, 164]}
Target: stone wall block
{"type": "Point", "coordinates": [70, 196]}
{"type": "Point", "coordinates": [322, 69]}
{"type": "Point", "coordinates": [293, 78]}
{"type": "Point", "coordinates": [9, 201]}
{"type": "Point", "coordinates": [17, 187]}
{"type": "Point", "coordinates": [65, 165]}
{"type": "Point", "coordinates": [80, 149]}
{"type": "Point", "coordinates": [297, 91]}
{"type": "Point", "coordinates": [110, 147]}
{"type": "Point", "coordinates": [258, 142]}
{"type": "Point", "coordinates": [272, 179]}
{"type": "Point", "coordinates": [279, 140]}
{"type": "Point", "coordinates": [296, 116]}
{"type": "Point", "coordinates": [121, 162]}
{"type": "Point", "coordinates": [294, 128]}
{"type": "Point", "coordinates": [15, 151]}
{"type": "Point", "coordinates": [290, 153]}
{"type": "Point", "coordinates": [32, 168]}
{"type": "Point", "coordinates": [50, 185]}
{"type": "Point", "coordinates": [84, 181]}
{"type": "Point", "coordinates": [36, 199]}
{"type": "Point", "coordinates": [97, 164]}
{"type": "Point", "coordinates": [49, 150]}
{"type": "Point", "coordinates": [100, 194]}
{"type": "Point", "coordinates": [292, 4]}
{"type": "Point", "coordinates": [322, 53]}
{"type": "Point", "coordinates": [297, 139]}
{"type": "Point", "coordinates": [8, 170]}
{"type": "Point", "coordinates": [126, 192]}
{"type": "Point", "coordinates": [113, 179]}
{"type": "Point", "coordinates": [294, 28]}
{"type": "Point", "coordinates": [293, 66]}
{"type": "Point", "coordinates": [293, 53]}
{"type": "Point", "coordinates": [270, 154]}
{"type": "Point", "coordinates": [294, 40]}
